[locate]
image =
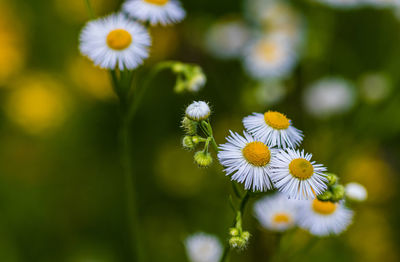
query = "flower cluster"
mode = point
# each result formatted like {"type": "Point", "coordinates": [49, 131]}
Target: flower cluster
{"type": "Point", "coordinates": [121, 40]}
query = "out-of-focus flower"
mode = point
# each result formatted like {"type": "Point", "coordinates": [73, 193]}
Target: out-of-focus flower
{"type": "Point", "coordinates": [276, 213]}
{"type": "Point", "coordinates": [329, 96]}
{"type": "Point", "coordinates": [248, 161]}
{"type": "Point", "coordinates": [323, 218]}
{"type": "Point", "coordinates": [115, 41]}
{"type": "Point", "coordinates": [226, 38]}
{"type": "Point", "coordinates": [37, 103]}
{"type": "Point", "coordinates": [356, 192]}
{"type": "Point", "coordinates": [202, 247]}
{"type": "Point", "coordinates": [93, 81]}
{"type": "Point", "coordinates": [277, 17]}
{"type": "Point", "coordinates": [155, 11]}
{"type": "Point", "coordinates": [294, 174]}
{"type": "Point", "coordinates": [374, 87]}
{"type": "Point", "coordinates": [270, 56]}
{"type": "Point", "coordinates": [190, 77]}
{"type": "Point", "coordinates": [198, 111]}
{"type": "Point", "coordinates": [12, 48]}
{"type": "Point", "coordinates": [263, 94]}
{"type": "Point", "coordinates": [274, 129]}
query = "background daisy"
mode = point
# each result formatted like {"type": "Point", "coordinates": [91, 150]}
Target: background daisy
{"type": "Point", "coordinates": [296, 175]}
{"type": "Point", "coordinates": [324, 218]}
{"type": "Point", "coordinates": [269, 56]}
{"type": "Point", "coordinates": [155, 11]}
{"type": "Point", "coordinates": [115, 42]}
{"type": "Point", "coordinates": [276, 212]}
{"type": "Point", "coordinates": [202, 247]}
{"type": "Point", "coordinates": [248, 161]}
{"type": "Point", "coordinates": [274, 129]}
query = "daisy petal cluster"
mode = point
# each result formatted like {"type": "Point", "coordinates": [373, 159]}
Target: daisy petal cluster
{"type": "Point", "coordinates": [115, 42]}
{"type": "Point", "coordinates": [266, 158]}
{"type": "Point", "coordinates": [323, 218]}
{"type": "Point", "coordinates": [276, 212]}
{"type": "Point", "coordinates": [268, 43]}
{"type": "Point", "coordinates": [155, 11]}
{"type": "Point", "coordinates": [121, 41]}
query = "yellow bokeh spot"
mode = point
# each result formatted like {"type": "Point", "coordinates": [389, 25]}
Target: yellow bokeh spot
{"type": "Point", "coordinates": [119, 39]}
{"type": "Point", "coordinates": [157, 2]}
{"type": "Point", "coordinates": [268, 51]}
{"type": "Point", "coordinates": [281, 218]}
{"type": "Point", "coordinates": [36, 103]}
{"type": "Point", "coordinates": [257, 153]}
{"type": "Point", "coordinates": [323, 207]}
{"type": "Point", "coordinates": [12, 44]}
{"type": "Point", "coordinates": [92, 80]}
{"type": "Point", "coordinates": [301, 168]}
{"type": "Point", "coordinates": [276, 120]}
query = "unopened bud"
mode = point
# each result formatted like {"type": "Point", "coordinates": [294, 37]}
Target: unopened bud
{"type": "Point", "coordinates": [189, 126]}
{"type": "Point", "coordinates": [332, 179]}
{"type": "Point", "coordinates": [338, 192]}
{"type": "Point", "coordinates": [203, 159]}
{"type": "Point", "coordinates": [237, 242]}
{"type": "Point", "coordinates": [234, 232]}
{"type": "Point", "coordinates": [327, 195]}
{"type": "Point", "coordinates": [246, 236]}
{"type": "Point", "coordinates": [188, 143]}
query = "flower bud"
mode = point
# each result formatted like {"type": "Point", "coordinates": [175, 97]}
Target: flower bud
{"type": "Point", "coordinates": [246, 236]}
{"type": "Point", "coordinates": [187, 143]}
{"type": "Point", "coordinates": [189, 126]}
{"type": "Point", "coordinates": [234, 232]}
{"type": "Point", "coordinates": [196, 79]}
{"type": "Point", "coordinates": [332, 179]}
{"type": "Point", "coordinates": [338, 192]}
{"type": "Point", "coordinates": [327, 195]}
{"type": "Point", "coordinates": [237, 242]}
{"type": "Point", "coordinates": [203, 159]}
{"type": "Point", "coordinates": [198, 111]}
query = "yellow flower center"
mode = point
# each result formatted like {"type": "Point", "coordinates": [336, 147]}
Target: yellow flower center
{"type": "Point", "coordinates": [301, 168]}
{"type": "Point", "coordinates": [267, 51]}
{"type": "Point", "coordinates": [119, 39]}
{"type": "Point", "coordinates": [281, 218]}
{"type": "Point", "coordinates": [157, 2]}
{"type": "Point", "coordinates": [323, 207]}
{"type": "Point", "coordinates": [257, 153]}
{"type": "Point", "coordinates": [276, 120]}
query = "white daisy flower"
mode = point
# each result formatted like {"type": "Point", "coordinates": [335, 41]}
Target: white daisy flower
{"type": "Point", "coordinates": [202, 247]}
{"type": "Point", "coordinates": [329, 96]}
{"type": "Point", "coordinates": [115, 42]}
{"type": "Point", "coordinates": [198, 110]}
{"type": "Point", "coordinates": [248, 161]}
{"type": "Point", "coordinates": [297, 176]}
{"type": "Point", "coordinates": [277, 212]}
{"type": "Point", "coordinates": [270, 56]}
{"type": "Point", "coordinates": [155, 11]}
{"type": "Point", "coordinates": [324, 218]}
{"type": "Point", "coordinates": [356, 192]}
{"type": "Point", "coordinates": [274, 129]}
{"type": "Point", "coordinates": [226, 39]}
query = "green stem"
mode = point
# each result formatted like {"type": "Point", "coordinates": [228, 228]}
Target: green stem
{"type": "Point", "coordinates": [225, 255]}
{"type": "Point", "coordinates": [140, 93]}
{"type": "Point", "coordinates": [129, 182]}
{"type": "Point", "coordinates": [90, 9]}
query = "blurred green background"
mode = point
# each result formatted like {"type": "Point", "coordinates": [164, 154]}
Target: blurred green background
{"type": "Point", "coordinates": [61, 187]}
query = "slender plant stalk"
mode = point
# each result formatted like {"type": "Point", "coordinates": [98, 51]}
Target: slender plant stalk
{"type": "Point", "coordinates": [89, 9]}
{"type": "Point", "coordinates": [129, 183]}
